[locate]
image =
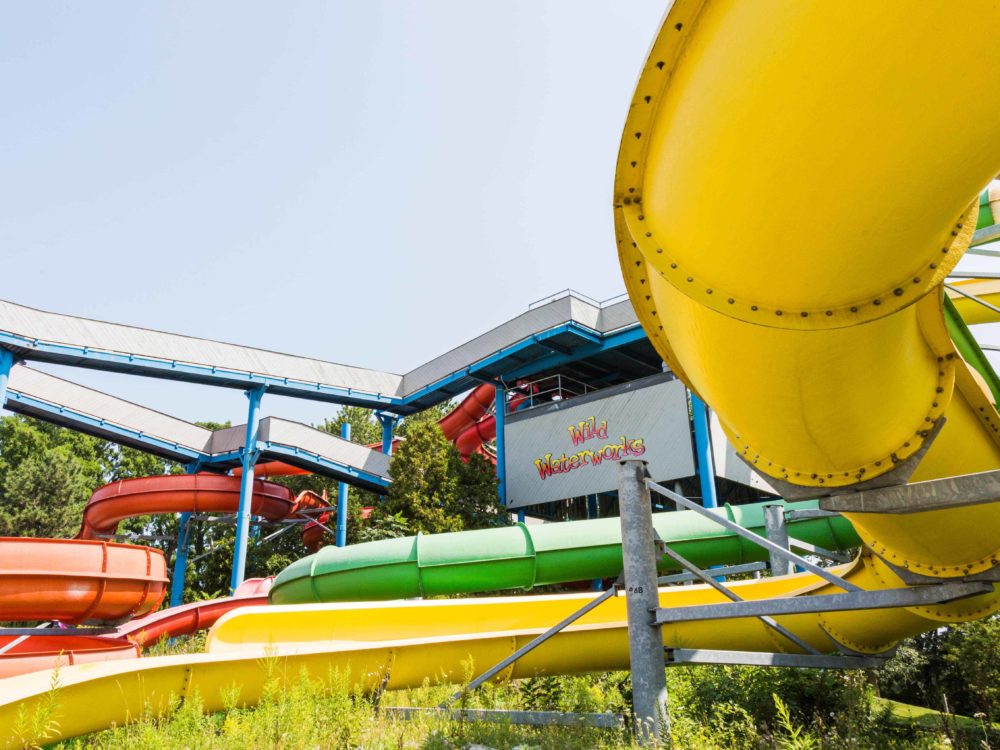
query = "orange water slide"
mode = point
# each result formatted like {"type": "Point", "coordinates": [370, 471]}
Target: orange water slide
{"type": "Point", "coordinates": [197, 493]}
{"type": "Point", "coordinates": [78, 581]}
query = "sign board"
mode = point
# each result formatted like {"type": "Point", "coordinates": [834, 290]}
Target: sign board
{"type": "Point", "coordinates": [572, 448]}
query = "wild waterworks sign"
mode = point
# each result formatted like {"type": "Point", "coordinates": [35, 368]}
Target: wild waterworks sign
{"type": "Point", "coordinates": [572, 448]}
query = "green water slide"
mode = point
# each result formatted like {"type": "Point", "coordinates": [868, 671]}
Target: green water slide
{"type": "Point", "coordinates": [520, 557]}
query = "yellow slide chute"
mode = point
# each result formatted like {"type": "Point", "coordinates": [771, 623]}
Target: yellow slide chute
{"type": "Point", "coordinates": [795, 182]}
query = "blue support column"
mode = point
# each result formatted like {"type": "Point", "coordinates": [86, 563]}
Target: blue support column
{"type": "Point", "coordinates": [180, 560]}
{"type": "Point", "coordinates": [6, 362]}
{"type": "Point", "coordinates": [345, 432]}
{"type": "Point", "coordinates": [703, 449]}
{"type": "Point", "coordinates": [501, 418]}
{"type": "Point", "coordinates": [250, 453]}
{"type": "Point", "coordinates": [388, 422]}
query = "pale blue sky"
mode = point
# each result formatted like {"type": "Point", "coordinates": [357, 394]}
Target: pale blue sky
{"type": "Point", "coordinates": [367, 182]}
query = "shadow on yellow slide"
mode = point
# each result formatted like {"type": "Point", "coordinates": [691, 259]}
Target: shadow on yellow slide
{"type": "Point", "coordinates": [795, 182]}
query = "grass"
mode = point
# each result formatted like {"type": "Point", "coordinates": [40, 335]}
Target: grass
{"type": "Point", "coordinates": [927, 718]}
{"type": "Point", "coordinates": [308, 714]}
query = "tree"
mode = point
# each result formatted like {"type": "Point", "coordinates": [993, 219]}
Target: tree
{"type": "Point", "coordinates": [44, 495]}
{"type": "Point", "coordinates": [434, 489]}
{"type": "Point", "coordinates": [425, 485]}
{"type": "Point", "coordinates": [478, 501]}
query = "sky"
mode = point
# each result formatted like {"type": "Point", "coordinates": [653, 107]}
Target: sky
{"type": "Point", "coordinates": [370, 183]}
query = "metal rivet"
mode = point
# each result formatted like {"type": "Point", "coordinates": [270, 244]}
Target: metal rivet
{"type": "Point", "coordinates": [898, 292]}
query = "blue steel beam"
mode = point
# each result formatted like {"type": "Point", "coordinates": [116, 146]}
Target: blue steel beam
{"type": "Point", "coordinates": [479, 370]}
{"type": "Point", "coordinates": [388, 422]}
{"type": "Point", "coordinates": [6, 363]}
{"type": "Point", "coordinates": [345, 433]}
{"type": "Point", "coordinates": [180, 560]}
{"type": "Point", "coordinates": [500, 404]}
{"type": "Point", "coordinates": [86, 423]}
{"type": "Point", "coordinates": [250, 454]}
{"type": "Point", "coordinates": [703, 450]}
{"type": "Point", "coordinates": [609, 342]}
{"type": "Point", "coordinates": [81, 356]}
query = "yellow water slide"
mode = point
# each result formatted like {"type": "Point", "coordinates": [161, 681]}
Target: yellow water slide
{"type": "Point", "coordinates": [796, 181]}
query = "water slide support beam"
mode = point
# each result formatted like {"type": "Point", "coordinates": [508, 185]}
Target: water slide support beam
{"type": "Point", "coordinates": [6, 363]}
{"type": "Point", "coordinates": [501, 418]}
{"type": "Point", "coordinates": [388, 422]}
{"type": "Point", "coordinates": [777, 531]}
{"type": "Point", "coordinates": [342, 490]}
{"type": "Point", "coordinates": [250, 454]}
{"type": "Point", "coordinates": [645, 642]}
{"type": "Point", "coordinates": [180, 559]}
{"type": "Point", "coordinates": [703, 449]}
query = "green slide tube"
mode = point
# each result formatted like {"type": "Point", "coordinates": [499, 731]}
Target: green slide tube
{"type": "Point", "coordinates": [520, 557]}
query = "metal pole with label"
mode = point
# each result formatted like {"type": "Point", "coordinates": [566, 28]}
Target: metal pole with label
{"type": "Point", "coordinates": [645, 642]}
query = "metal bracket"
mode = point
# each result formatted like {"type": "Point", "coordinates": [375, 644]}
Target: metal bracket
{"type": "Point", "coordinates": [762, 659]}
{"type": "Point", "coordinates": [935, 494]}
{"type": "Point", "coordinates": [527, 718]}
{"type": "Point", "coordinates": [729, 570]}
{"type": "Point", "coordinates": [858, 600]}
{"type": "Point", "coordinates": [916, 579]}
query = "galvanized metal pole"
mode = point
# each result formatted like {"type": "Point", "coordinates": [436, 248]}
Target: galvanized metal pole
{"type": "Point", "coordinates": [776, 531]}
{"type": "Point", "coordinates": [703, 449]}
{"type": "Point", "coordinates": [180, 560]}
{"type": "Point", "coordinates": [6, 363]}
{"type": "Point", "coordinates": [593, 511]}
{"type": "Point", "coordinates": [646, 659]}
{"type": "Point", "coordinates": [250, 453]}
{"type": "Point", "coordinates": [501, 417]}
{"type": "Point", "coordinates": [342, 489]}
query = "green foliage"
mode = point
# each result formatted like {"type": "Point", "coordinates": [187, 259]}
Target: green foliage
{"type": "Point", "coordinates": [425, 484]}
{"type": "Point", "coordinates": [957, 667]}
{"type": "Point", "coordinates": [384, 526]}
{"type": "Point", "coordinates": [434, 489]}
{"type": "Point", "coordinates": [44, 495]}
{"type": "Point", "coordinates": [793, 736]}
